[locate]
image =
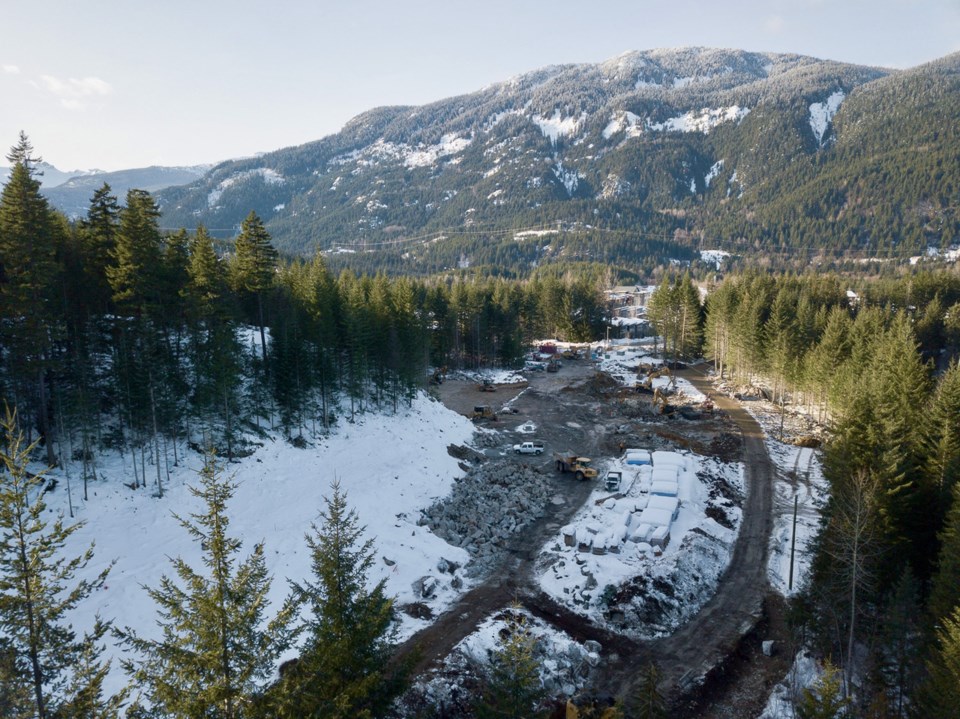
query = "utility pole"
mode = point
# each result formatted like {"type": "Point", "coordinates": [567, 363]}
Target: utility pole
{"type": "Point", "coordinates": [793, 543]}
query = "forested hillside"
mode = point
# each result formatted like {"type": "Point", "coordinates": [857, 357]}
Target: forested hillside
{"type": "Point", "coordinates": [117, 334]}
{"type": "Point", "coordinates": [649, 155]}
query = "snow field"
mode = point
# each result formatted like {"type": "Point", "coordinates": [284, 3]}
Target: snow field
{"type": "Point", "coordinates": [390, 468]}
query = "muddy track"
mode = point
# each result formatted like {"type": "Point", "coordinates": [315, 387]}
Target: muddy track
{"type": "Point", "coordinates": [687, 656]}
{"type": "Point", "coordinates": [584, 425]}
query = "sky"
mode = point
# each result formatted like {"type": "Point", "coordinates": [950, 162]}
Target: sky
{"type": "Point", "coordinates": [114, 84]}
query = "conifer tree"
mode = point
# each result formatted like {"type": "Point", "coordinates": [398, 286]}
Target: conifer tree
{"type": "Point", "coordinates": [648, 702]}
{"type": "Point", "coordinates": [216, 648]}
{"type": "Point", "coordinates": [513, 689]}
{"type": "Point", "coordinates": [30, 277]}
{"type": "Point", "coordinates": [945, 588]}
{"type": "Point", "coordinates": [39, 649]}
{"type": "Point", "coordinates": [943, 436]}
{"type": "Point", "coordinates": [98, 239]}
{"type": "Point", "coordinates": [938, 698]}
{"type": "Point", "coordinates": [136, 273]}
{"type": "Point", "coordinates": [254, 266]}
{"type": "Point", "coordinates": [342, 671]}
{"type": "Point", "coordinates": [824, 700]}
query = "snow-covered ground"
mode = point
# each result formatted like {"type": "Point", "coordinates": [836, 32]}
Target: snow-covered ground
{"type": "Point", "coordinates": [619, 359]}
{"type": "Point", "coordinates": [633, 585]}
{"type": "Point", "coordinates": [563, 661]}
{"type": "Point", "coordinates": [389, 466]}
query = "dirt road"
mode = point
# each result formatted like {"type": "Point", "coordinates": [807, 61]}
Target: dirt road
{"type": "Point", "coordinates": [570, 410]}
{"type": "Point", "coordinates": [691, 652]}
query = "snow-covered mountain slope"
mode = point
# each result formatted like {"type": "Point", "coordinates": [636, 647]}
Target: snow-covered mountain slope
{"type": "Point", "coordinates": [657, 120]}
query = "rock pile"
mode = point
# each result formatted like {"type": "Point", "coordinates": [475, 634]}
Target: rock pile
{"type": "Point", "coordinates": [488, 507]}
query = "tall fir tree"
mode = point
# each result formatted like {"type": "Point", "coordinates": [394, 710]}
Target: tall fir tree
{"type": "Point", "coordinates": [512, 688]}
{"type": "Point", "coordinates": [38, 591]}
{"type": "Point", "coordinates": [217, 649]}
{"type": "Point", "coordinates": [255, 264]}
{"type": "Point", "coordinates": [342, 672]}
{"type": "Point", "coordinates": [136, 273]}
{"type": "Point", "coordinates": [938, 698]}
{"type": "Point", "coordinates": [98, 240]}
{"type": "Point", "coordinates": [30, 277]}
{"type": "Point", "coordinates": [648, 702]}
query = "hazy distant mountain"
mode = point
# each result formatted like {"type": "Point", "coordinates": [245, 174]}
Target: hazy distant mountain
{"type": "Point", "coordinates": [49, 175]}
{"type": "Point", "coordinates": [719, 147]}
{"type": "Point", "coordinates": [72, 197]}
{"type": "Point", "coordinates": [70, 192]}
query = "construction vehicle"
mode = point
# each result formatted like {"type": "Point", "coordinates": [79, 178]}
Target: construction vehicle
{"type": "Point", "coordinates": [487, 386]}
{"type": "Point", "coordinates": [660, 402]}
{"type": "Point", "coordinates": [483, 411]}
{"type": "Point", "coordinates": [613, 481]}
{"type": "Point", "coordinates": [578, 466]}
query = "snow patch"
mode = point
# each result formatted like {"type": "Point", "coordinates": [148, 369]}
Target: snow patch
{"type": "Point", "coordinates": [271, 177]}
{"type": "Point", "coordinates": [279, 494]}
{"type": "Point", "coordinates": [703, 121]}
{"type": "Point", "coordinates": [569, 178]}
{"type": "Point", "coordinates": [713, 257]}
{"type": "Point", "coordinates": [712, 173]}
{"type": "Point", "coordinates": [821, 114]}
{"type": "Point", "coordinates": [558, 126]}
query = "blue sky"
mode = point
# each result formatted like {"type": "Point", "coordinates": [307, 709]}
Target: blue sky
{"type": "Point", "coordinates": [121, 83]}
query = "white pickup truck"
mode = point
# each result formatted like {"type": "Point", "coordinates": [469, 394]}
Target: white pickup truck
{"type": "Point", "coordinates": [528, 448]}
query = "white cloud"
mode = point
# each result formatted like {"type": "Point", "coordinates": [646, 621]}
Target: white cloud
{"type": "Point", "coordinates": [11, 69]}
{"type": "Point", "coordinates": [72, 92]}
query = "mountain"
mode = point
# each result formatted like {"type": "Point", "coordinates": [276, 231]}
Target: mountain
{"type": "Point", "coordinates": [684, 148]}
{"type": "Point", "coordinates": [72, 197]}
{"type": "Point", "coordinates": [70, 192]}
{"type": "Point", "coordinates": [49, 175]}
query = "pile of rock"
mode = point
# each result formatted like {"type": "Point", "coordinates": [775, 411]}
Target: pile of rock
{"type": "Point", "coordinates": [488, 507]}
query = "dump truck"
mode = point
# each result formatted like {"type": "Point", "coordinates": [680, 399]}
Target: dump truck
{"type": "Point", "coordinates": [578, 466]}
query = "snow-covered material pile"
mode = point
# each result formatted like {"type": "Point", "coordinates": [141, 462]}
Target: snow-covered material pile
{"type": "Point", "coordinates": [564, 664]}
{"type": "Point", "coordinates": [605, 563]}
{"type": "Point", "coordinates": [621, 361]}
{"type": "Point", "coordinates": [486, 508]}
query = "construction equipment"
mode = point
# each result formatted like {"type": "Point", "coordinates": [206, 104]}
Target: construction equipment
{"type": "Point", "coordinates": [578, 466]}
{"type": "Point", "coordinates": [660, 402]}
{"type": "Point", "coordinates": [487, 386]}
{"type": "Point", "coordinates": [613, 481]}
{"type": "Point", "coordinates": [483, 411]}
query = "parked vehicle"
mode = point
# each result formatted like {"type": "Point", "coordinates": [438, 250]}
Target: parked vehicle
{"type": "Point", "coordinates": [529, 448]}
